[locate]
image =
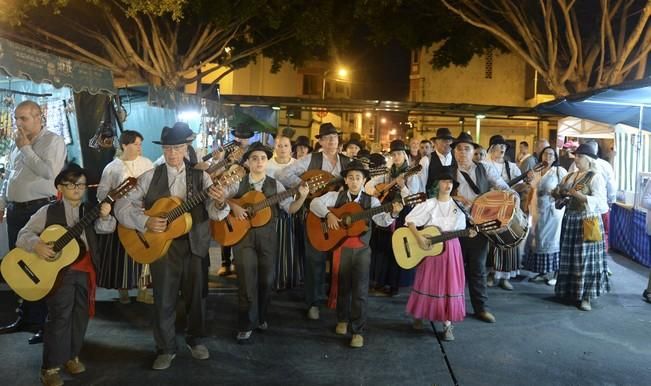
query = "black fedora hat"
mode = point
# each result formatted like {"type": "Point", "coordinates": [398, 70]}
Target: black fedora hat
{"type": "Point", "coordinates": [257, 146]}
{"type": "Point", "coordinates": [498, 140]}
{"type": "Point", "coordinates": [464, 138]}
{"type": "Point", "coordinates": [178, 134]}
{"type": "Point", "coordinates": [586, 149]}
{"type": "Point", "coordinates": [397, 145]}
{"type": "Point", "coordinates": [242, 131]}
{"type": "Point", "coordinates": [71, 169]}
{"type": "Point", "coordinates": [327, 129]}
{"type": "Point", "coordinates": [446, 173]}
{"type": "Point", "coordinates": [356, 165]}
{"type": "Point", "coordinates": [353, 141]}
{"type": "Point", "coordinates": [443, 133]}
{"type": "Point", "coordinates": [303, 141]}
{"type": "Point", "coordinates": [377, 160]}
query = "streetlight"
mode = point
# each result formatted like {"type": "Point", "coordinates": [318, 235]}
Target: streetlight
{"type": "Point", "coordinates": [383, 120]}
{"type": "Point", "coordinates": [341, 73]}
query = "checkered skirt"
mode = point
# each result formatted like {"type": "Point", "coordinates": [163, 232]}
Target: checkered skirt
{"type": "Point", "coordinates": [583, 270]}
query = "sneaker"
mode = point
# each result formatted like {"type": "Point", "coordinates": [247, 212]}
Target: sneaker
{"type": "Point", "coordinates": [357, 341]}
{"type": "Point", "coordinates": [447, 334]}
{"type": "Point", "coordinates": [244, 337]}
{"type": "Point", "coordinates": [74, 366]}
{"type": "Point", "coordinates": [264, 326]}
{"type": "Point", "coordinates": [342, 328]}
{"type": "Point", "coordinates": [585, 305]}
{"type": "Point", "coordinates": [506, 285]}
{"type": "Point", "coordinates": [490, 280]}
{"type": "Point", "coordinates": [485, 316]}
{"type": "Point", "coordinates": [124, 296]}
{"type": "Point", "coordinates": [551, 282]}
{"type": "Point", "coordinates": [418, 324]}
{"type": "Point", "coordinates": [163, 361]}
{"type": "Point", "coordinates": [647, 296]}
{"type": "Point", "coordinates": [199, 351]}
{"type": "Point", "coordinates": [313, 313]}
{"type": "Point", "coordinates": [51, 377]}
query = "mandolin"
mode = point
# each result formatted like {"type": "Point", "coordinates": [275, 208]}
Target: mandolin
{"type": "Point", "coordinates": [31, 276]}
{"type": "Point", "coordinates": [382, 190]}
{"type": "Point", "coordinates": [147, 247]}
{"type": "Point", "coordinates": [353, 222]}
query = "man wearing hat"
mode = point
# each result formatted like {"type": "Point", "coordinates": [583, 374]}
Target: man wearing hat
{"type": "Point", "coordinates": [441, 156]}
{"type": "Point", "coordinates": [302, 147]}
{"type": "Point", "coordinates": [181, 267]}
{"type": "Point", "coordinates": [332, 162]}
{"type": "Point", "coordinates": [36, 159]}
{"type": "Point", "coordinates": [474, 180]}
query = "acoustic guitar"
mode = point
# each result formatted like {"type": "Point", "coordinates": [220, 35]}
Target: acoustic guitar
{"type": "Point", "coordinates": [333, 182]}
{"type": "Point", "coordinates": [409, 254]}
{"type": "Point", "coordinates": [233, 156]}
{"type": "Point", "coordinates": [382, 190]}
{"type": "Point", "coordinates": [258, 209]}
{"type": "Point", "coordinates": [228, 147]}
{"type": "Point", "coordinates": [353, 222]}
{"type": "Point", "coordinates": [537, 168]}
{"type": "Point", "coordinates": [33, 277]}
{"type": "Point", "coordinates": [147, 247]}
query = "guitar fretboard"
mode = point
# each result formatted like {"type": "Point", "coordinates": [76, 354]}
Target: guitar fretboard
{"type": "Point", "coordinates": [448, 236]}
{"type": "Point", "coordinates": [77, 229]}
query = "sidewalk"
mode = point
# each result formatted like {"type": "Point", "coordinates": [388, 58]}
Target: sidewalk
{"type": "Point", "coordinates": [536, 341]}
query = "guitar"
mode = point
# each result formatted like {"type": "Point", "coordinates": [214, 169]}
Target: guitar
{"type": "Point", "coordinates": [353, 222]}
{"type": "Point", "coordinates": [227, 147]}
{"type": "Point", "coordinates": [258, 208]}
{"type": "Point", "coordinates": [382, 190]}
{"type": "Point", "coordinates": [33, 277]}
{"type": "Point", "coordinates": [232, 157]}
{"type": "Point", "coordinates": [409, 254]}
{"type": "Point", "coordinates": [537, 168]}
{"type": "Point", "coordinates": [334, 183]}
{"type": "Point", "coordinates": [147, 247]}
{"type": "Point", "coordinates": [562, 195]}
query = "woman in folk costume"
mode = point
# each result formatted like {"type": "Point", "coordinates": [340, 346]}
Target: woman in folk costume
{"type": "Point", "coordinates": [438, 291]}
{"type": "Point", "coordinates": [545, 231]}
{"type": "Point", "coordinates": [582, 274]}
{"type": "Point", "coordinates": [117, 270]}
{"type": "Point", "coordinates": [351, 261]}
{"type": "Point", "coordinates": [289, 269]}
{"type": "Point", "coordinates": [504, 262]}
{"type": "Point", "coordinates": [386, 273]}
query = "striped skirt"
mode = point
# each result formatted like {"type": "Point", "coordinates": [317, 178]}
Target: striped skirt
{"type": "Point", "coordinates": [583, 268]}
{"type": "Point", "coordinates": [541, 262]}
{"type": "Point", "coordinates": [505, 262]}
{"type": "Point", "coordinates": [116, 269]}
{"type": "Point", "coordinates": [289, 267]}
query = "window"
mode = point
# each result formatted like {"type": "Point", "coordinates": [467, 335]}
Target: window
{"type": "Point", "coordinates": [488, 73]}
{"type": "Point", "coordinates": [294, 113]}
{"type": "Point", "coordinates": [339, 88]}
{"type": "Point", "coordinates": [415, 56]}
{"type": "Point", "coordinates": [311, 84]}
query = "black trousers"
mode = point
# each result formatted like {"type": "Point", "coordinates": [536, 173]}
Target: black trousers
{"type": "Point", "coordinates": [352, 290]}
{"type": "Point", "coordinates": [17, 216]}
{"type": "Point", "coordinates": [178, 270]}
{"type": "Point", "coordinates": [65, 327]}
{"type": "Point", "coordinates": [255, 256]}
{"type": "Point", "coordinates": [475, 251]}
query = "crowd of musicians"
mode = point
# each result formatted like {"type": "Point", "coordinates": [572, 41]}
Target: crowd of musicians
{"type": "Point", "coordinates": [425, 183]}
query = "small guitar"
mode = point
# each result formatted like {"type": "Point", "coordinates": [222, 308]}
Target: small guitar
{"type": "Point", "coordinates": [231, 230]}
{"type": "Point", "coordinates": [33, 277]}
{"type": "Point", "coordinates": [334, 183]}
{"type": "Point", "coordinates": [382, 190]}
{"type": "Point", "coordinates": [353, 222]}
{"type": "Point", "coordinates": [228, 147]}
{"type": "Point", "coordinates": [148, 247]}
{"type": "Point", "coordinates": [409, 254]}
{"type": "Point", "coordinates": [232, 157]}
{"type": "Point", "coordinates": [562, 195]}
{"type": "Point", "coordinates": [537, 168]}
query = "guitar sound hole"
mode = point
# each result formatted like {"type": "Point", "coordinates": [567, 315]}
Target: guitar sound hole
{"type": "Point", "coordinates": [30, 274]}
{"type": "Point", "coordinates": [404, 241]}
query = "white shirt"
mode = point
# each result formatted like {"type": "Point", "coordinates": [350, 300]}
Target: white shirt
{"type": "Point", "coordinates": [494, 180]}
{"type": "Point", "coordinates": [118, 170]}
{"type": "Point", "coordinates": [444, 214]}
{"type": "Point", "coordinates": [273, 167]}
{"type": "Point", "coordinates": [608, 174]}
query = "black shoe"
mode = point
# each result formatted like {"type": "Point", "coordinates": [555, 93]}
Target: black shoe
{"type": "Point", "coordinates": [37, 338]}
{"type": "Point", "coordinates": [16, 326]}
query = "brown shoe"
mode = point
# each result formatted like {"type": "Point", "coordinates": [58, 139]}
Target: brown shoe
{"type": "Point", "coordinates": [357, 341]}
{"type": "Point", "coordinates": [51, 377]}
{"type": "Point", "coordinates": [485, 316]}
{"type": "Point", "coordinates": [74, 366]}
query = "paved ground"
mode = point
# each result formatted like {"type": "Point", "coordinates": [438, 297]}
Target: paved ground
{"type": "Point", "coordinates": [536, 341]}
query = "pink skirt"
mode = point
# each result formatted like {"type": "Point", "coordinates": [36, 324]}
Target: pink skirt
{"type": "Point", "coordinates": [438, 291]}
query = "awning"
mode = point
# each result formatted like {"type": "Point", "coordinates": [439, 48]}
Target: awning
{"type": "Point", "coordinates": [624, 103]}
{"type": "Point", "coordinates": [20, 61]}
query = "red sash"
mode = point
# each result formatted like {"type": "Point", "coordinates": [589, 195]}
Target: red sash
{"type": "Point", "coordinates": [85, 264]}
{"type": "Point", "coordinates": [351, 243]}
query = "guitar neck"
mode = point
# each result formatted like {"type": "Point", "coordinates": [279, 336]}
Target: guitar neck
{"type": "Point", "coordinates": [225, 147]}
{"type": "Point", "coordinates": [370, 212]}
{"type": "Point", "coordinates": [407, 174]}
{"type": "Point", "coordinates": [276, 198]}
{"type": "Point", "coordinates": [517, 179]}
{"type": "Point", "coordinates": [217, 165]}
{"type": "Point", "coordinates": [448, 236]}
{"type": "Point", "coordinates": [187, 206]}
{"type": "Point", "coordinates": [77, 229]}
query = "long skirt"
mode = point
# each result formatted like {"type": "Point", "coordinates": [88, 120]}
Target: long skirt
{"type": "Point", "coordinates": [505, 262]}
{"type": "Point", "coordinates": [541, 262]}
{"type": "Point", "coordinates": [117, 270]}
{"type": "Point", "coordinates": [583, 271]}
{"type": "Point", "coordinates": [289, 268]}
{"type": "Point", "coordinates": [438, 291]}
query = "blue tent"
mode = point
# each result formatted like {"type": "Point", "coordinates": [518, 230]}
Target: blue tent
{"type": "Point", "coordinates": [628, 103]}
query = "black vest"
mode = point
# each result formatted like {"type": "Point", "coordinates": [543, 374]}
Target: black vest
{"type": "Point", "coordinates": [435, 168]}
{"type": "Point", "coordinates": [316, 161]}
{"type": "Point", "coordinates": [56, 214]}
{"type": "Point", "coordinates": [269, 188]}
{"type": "Point", "coordinates": [364, 202]}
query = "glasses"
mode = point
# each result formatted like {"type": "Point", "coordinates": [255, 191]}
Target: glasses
{"type": "Point", "coordinates": [70, 185]}
{"type": "Point", "coordinates": [176, 148]}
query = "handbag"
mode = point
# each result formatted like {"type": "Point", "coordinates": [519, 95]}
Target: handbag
{"type": "Point", "coordinates": [591, 231]}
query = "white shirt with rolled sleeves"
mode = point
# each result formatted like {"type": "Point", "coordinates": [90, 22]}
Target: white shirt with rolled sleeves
{"type": "Point", "coordinates": [32, 169]}
{"type": "Point", "coordinates": [130, 211]}
{"type": "Point", "coordinates": [319, 206]}
{"type": "Point", "coordinates": [118, 170]}
{"type": "Point", "coordinates": [29, 234]}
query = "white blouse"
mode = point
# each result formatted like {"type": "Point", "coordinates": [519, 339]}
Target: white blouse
{"type": "Point", "coordinates": [444, 214]}
{"type": "Point", "coordinates": [118, 170]}
{"type": "Point", "coordinates": [273, 166]}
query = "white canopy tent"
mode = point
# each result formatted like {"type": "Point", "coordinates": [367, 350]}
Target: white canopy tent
{"type": "Point", "coordinates": [585, 128]}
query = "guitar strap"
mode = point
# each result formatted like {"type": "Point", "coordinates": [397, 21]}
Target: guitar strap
{"type": "Point", "coordinates": [508, 169]}
{"type": "Point", "coordinates": [470, 182]}
{"type": "Point", "coordinates": [464, 211]}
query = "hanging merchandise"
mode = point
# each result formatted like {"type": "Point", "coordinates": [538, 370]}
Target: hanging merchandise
{"type": "Point", "coordinates": [106, 136]}
{"type": "Point", "coordinates": [6, 124]}
{"type": "Point", "coordinates": [56, 120]}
